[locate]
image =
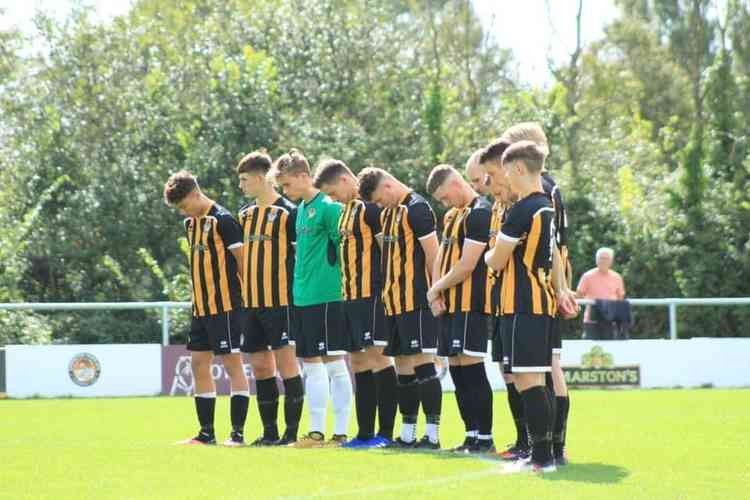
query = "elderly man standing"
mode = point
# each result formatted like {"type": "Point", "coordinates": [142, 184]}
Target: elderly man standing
{"type": "Point", "coordinates": [600, 282]}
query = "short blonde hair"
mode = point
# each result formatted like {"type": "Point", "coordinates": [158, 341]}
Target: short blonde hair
{"type": "Point", "coordinates": [527, 131]}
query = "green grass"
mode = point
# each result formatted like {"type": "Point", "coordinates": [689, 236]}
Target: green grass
{"type": "Point", "coordinates": [622, 444]}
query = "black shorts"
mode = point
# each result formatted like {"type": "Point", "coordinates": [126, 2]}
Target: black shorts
{"type": "Point", "coordinates": [220, 333]}
{"type": "Point", "coordinates": [319, 331]}
{"type": "Point", "coordinates": [497, 339]}
{"type": "Point", "coordinates": [526, 343]}
{"type": "Point", "coordinates": [267, 328]}
{"type": "Point", "coordinates": [464, 333]}
{"type": "Point", "coordinates": [555, 335]}
{"type": "Point", "coordinates": [413, 332]}
{"type": "Point", "coordinates": [364, 319]}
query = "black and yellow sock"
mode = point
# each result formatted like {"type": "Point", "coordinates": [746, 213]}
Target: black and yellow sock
{"type": "Point", "coordinates": [561, 426]}
{"type": "Point", "coordinates": [385, 389]}
{"type": "Point", "coordinates": [238, 404]}
{"type": "Point", "coordinates": [538, 415]}
{"type": "Point", "coordinates": [365, 403]}
{"type": "Point", "coordinates": [205, 407]}
{"type": "Point", "coordinates": [294, 398]}
{"type": "Point", "coordinates": [519, 418]}
{"type": "Point", "coordinates": [268, 407]}
{"type": "Point", "coordinates": [480, 394]}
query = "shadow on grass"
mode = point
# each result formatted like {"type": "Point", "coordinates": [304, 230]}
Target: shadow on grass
{"type": "Point", "coordinates": [596, 473]}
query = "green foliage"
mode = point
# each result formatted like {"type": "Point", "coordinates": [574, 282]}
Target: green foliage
{"type": "Point", "coordinates": [649, 131]}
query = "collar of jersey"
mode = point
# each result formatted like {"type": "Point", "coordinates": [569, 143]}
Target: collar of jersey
{"type": "Point", "coordinates": [312, 200]}
{"type": "Point", "coordinates": [403, 198]}
{"type": "Point", "coordinates": [208, 210]}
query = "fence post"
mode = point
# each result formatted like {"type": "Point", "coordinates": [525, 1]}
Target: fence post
{"type": "Point", "coordinates": [164, 325]}
{"type": "Point", "coordinates": [673, 321]}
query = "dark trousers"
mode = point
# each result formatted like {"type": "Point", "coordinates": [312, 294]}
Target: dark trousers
{"type": "Point", "coordinates": [600, 330]}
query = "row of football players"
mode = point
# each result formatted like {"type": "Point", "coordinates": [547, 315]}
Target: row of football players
{"type": "Point", "coordinates": [357, 268]}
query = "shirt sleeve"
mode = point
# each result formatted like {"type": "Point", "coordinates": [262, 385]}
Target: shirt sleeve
{"type": "Point", "coordinates": [516, 224]}
{"type": "Point", "coordinates": [230, 231]}
{"type": "Point", "coordinates": [372, 217]}
{"type": "Point", "coordinates": [561, 220]}
{"type": "Point", "coordinates": [331, 220]}
{"type": "Point", "coordinates": [291, 225]}
{"type": "Point", "coordinates": [478, 225]}
{"type": "Point", "coordinates": [422, 219]}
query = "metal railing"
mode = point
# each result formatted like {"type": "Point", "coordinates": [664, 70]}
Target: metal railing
{"type": "Point", "coordinates": [671, 303]}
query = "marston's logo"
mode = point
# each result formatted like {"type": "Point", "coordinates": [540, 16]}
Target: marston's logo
{"type": "Point", "coordinates": [84, 369]}
{"type": "Point", "coordinates": [598, 369]}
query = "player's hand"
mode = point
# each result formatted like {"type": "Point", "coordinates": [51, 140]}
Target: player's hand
{"type": "Point", "coordinates": [432, 295]}
{"type": "Point", "coordinates": [437, 307]}
{"type": "Point", "coordinates": [567, 307]}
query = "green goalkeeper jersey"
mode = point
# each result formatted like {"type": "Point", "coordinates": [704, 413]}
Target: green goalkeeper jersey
{"type": "Point", "coordinates": [317, 275]}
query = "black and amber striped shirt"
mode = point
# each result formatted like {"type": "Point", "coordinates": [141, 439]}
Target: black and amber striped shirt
{"type": "Point", "coordinates": [359, 250]}
{"type": "Point", "coordinates": [461, 225]}
{"type": "Point", "coordinates": [268, 253]}
{"type": "Point", "coordinates": [405, 275]}
{"type": "Point", "coordinates": [493, 277]}
{"type": "Point", "coordinates": [552, 190]}
{"type": "Point", "coordinates": [526, 280]}
{"type": "Point", "coordinates": [213, 269]}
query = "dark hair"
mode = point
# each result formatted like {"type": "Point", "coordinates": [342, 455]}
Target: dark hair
{"type": "Point", "coordinates": [328, 171]}
{"type": "Point", "coordinates": [369, 180]}
{"type": "Point", "coordinates": [494, 151]}
{"type": "Point", "coordinates": [528, 152]}
{"type": "Point", "coordinates": [257, 162]}
{"type": "Point", "coordinates": [438, 176]}
{"type": "Point", "coordinates": [178, 186]}
{"type": "Point", "coordinates": [292, 162]}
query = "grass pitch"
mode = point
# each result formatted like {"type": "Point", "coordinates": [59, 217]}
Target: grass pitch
{"type": "Point", "coordinates": [622, 444]}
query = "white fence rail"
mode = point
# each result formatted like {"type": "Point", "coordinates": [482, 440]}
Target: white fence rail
{"type": "Point", "coordinates": [671, 303]}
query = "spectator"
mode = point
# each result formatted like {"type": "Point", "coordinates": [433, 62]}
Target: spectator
{"type": "Point", "coordinates": [600, 283]}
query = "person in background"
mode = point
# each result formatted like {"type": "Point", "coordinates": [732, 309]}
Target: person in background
{"type": "Point", "coordinates": [600, 282]}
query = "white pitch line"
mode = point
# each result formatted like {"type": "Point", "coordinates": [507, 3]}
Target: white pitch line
{"type": "Point", "coordinates": [468, 476]}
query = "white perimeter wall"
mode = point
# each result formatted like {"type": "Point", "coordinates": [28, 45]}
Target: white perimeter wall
{"type": "Point", "coordinates": [664, 363]}
{"type": "Point", "coordinates": [126, 370]}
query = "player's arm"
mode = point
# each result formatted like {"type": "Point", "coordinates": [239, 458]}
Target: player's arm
{"type": "Point", "coordinates": [231, 233]}
{"type": "Point", "coordinates": [477, 236]}
{"type": "Point", "coordinates": [373, 214]}
{"type": "Point", "coordinates": [566, 298]}
{"type": "Point", "coordinates": [436, 270]}
{"type": "Point", "coordinates": [237, 253]}
{"type": "Point", "coordinates": [497, 257]}
{"type": "Point", "coordinates": [332, 215]}
{"type": "Point", "coordinates": [517, 223]}
{"type": "Point", "coordinates": [470, 255]}
{"type": "Point", "coordinates": [291, 227]}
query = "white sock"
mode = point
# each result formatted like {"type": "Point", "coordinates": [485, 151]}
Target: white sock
{"type": "Point", "coordinates": [432, 432]}
{"type": "Point", "coordinates": [408, 432]}
{"type": "Point", "coordinates": [472, 434]}
{"type": "Point", "coordinates": [316, 393]}
{"type": "Point", "coordinates": [485, 437]}
{"type": "Point", "coordinates": [341, 395]}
